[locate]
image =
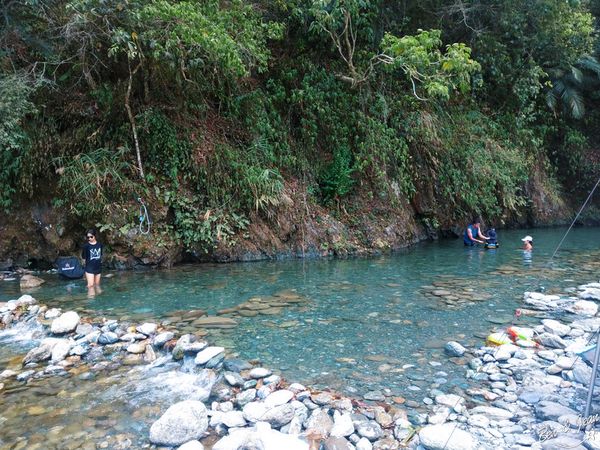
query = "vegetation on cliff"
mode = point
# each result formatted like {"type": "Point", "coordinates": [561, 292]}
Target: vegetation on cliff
{"type": "Point", "coordinates": [211, 109]}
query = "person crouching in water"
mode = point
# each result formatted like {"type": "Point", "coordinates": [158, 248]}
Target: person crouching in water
{"type": "Point", "coordinates": [527, 243]}
{"type": "Point", "coordinates": [473, 233]}
{"type": "Point", "coordinates": [92, 253]}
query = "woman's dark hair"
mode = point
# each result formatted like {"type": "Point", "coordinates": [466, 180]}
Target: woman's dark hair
{"type": "Point", "coordinates": [91, 231]}
{"type": "Point", "coordinates": [476, 219]}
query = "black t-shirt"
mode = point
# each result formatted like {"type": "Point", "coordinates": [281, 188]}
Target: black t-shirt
{"type": "Point", "coordinates": [93, 257]}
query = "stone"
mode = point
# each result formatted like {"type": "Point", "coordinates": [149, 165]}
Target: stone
{"type": "Point", "coordinates": [584, 308]}
{"type": "Point", "coordinates": [590, 293]}
{"type": "Point", "coordinates": [192, 445]}
{"type": "Point", "coordinates": [162, 338]}
{"type": "Point", "coordinates": [446, 436]}
{"type": "Point", "coordinates": [215, 322]}
{"type": "Point", "coordinates": [453, 348]}
{"type": "Point", "coordinates": [260, 437]}
{"type": "Point", "coordinates": [563, 443]}
{"type": "Point", "coordinates": [279, 415]}
{"type": "Point", "coordinates": [319, 422]}
{"type": "Point", "coordinates": [147, 328]}
{"type": "Point", "coordinates": [278, 398]}
{"type": "Point", "coordinates": [478, 420]}
{"type": "Point", "coordinates": [61, 350]}
{"type": "Point", "coordinates": [182, 422]}
{"type": "Point", "coordinates": [364, 444]}
{"type": "Point", "coordinates": [371, 430]}
{"type": "Point", "coordinates": [322, 398]}
{"type": "Point", "coordinates": [84, 329]}
{"type": "Point", "coordinates": [136, 348]}
{"type": "Point", "coordinates": [207, 354]}
{"type": "Point", "coordinates": [551, 340]}
{"type": "Point", "coordinates": [108, 338]}
{"type": "Point", "coordinates": [245, 397]}
{"type": "Point", "coordinates": [233, 419]}
{"type": "Point", "coordinates": [375, 396]}
{"type": "Point", "coordinates": [234, 379]}
{"type": "Point", "coordinates": [455, 402]}
{"type": "Point", "coordinates": [336, 443]}
{"type": "Point", "coordinates": [65, 323]}
{"type": "Point", "coordinates": [555, 327]}
{"type": "Point", "coordinates": [547, 410]}
{"type": "Point", "coordinates": [29, 281]}
{"type": "Point", "coordinates": [41, 353]}
{"type": "Point", "coordinates": [259, 372]}
{"type": "Point", "coordinates": [342, 425]}
{"type": "Point", "coordinates": [236, 365]}
{"type": "Point", "coordinates": [492, 412]}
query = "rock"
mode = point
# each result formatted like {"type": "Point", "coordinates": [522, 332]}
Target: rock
{"type": "Point", "coordinates": [583, 308]}
{"type": "Point", "coordinates": [261, 437]}
{"type": "Point", "coordinates": [479, 420]}
{"type": "Point", "coordinates": [546, 410]}
{"type": "Point", "coordinates": [278, 398]}
{"type": "Point", "coordinates": [453, 401]}
{"type": "Point", "coordinates": [24, 376]}
{"type": "Point", "coordinates": [492, 412]}
{"type": "Point", "coordinates": [192, 445]}
{"type": "Point", "coordinates": [336, 443]}
{"type": "Point", "coordinates": [364, 444]}
{"type": "Point", "coordinates": [279, 416]}
{"type": "Point", "coordinates": [215, 322]}
{"type": "Point", "coordinates": [84, 329]}
{"type": "Point", "coordinates": [108, 338]}
{"type": "Point", "coordinates": [453, 348]}
{"type": "Point", "coordinates": [234, 379]}
{"type": "Point", "coordinates": [162, 338]}
{"type": "Point", "coordinates": [233, 419]}
{"type": "Point", "coordinates": [236, 365]}
{"type": "Point", "coordinates": [322, 398]}
{"type": "Point", "coordinates": [590, 293]}
{"type": "Point", "coordinates": [52, 313]}
{"type": "Point", "coordinates": [319, 422]}
{"type": "Point", "coordinates": [136, 348]}
{"type": "Point", "coordinates": [371, 430]}
{"type": "Point", "coordinates": [342, 425]}
{"type": "Point", "coordinates": [41, 353]}
{"type": "Point", "coordinates": [182, 422]}
{"type": "Point", "coordinates": [447, 436]}
{"type": "Point", "coordinates": [61, 350]}
{"type": "Point", "coordinates": [375, 396]}
{"type": "Point", "coordinates": [259, 372]}
{"type": "Point", "coordinates": [555, 327]}
{"type": "Point", "coordinates": [551, 340]}
{"type": "Point", "coordinates": [182, 342]}
{"type": "Point", "coordinates": [65, 323]}
{"type": "Point", "coordinates": [30, 281]}
{"type": "Point", "coordinates": [147, 328]}
{"type": "Point", "coordinates": [245, 397]}
{"type": "Point", "coordinates": [207, 354]}
{"type": "Point", "coordinates": [563, 443]}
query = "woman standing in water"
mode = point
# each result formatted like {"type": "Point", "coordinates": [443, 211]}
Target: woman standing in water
{"type": "Point", "coordinates": [92, 253]}
{"type": "Point", "coordinates": [473, 233]}
{"type": "Point", "coordinates": [527, 243]}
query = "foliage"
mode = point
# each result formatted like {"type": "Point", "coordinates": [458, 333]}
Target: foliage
{"type": "Point", "coordinates": [14, 108]}
{"type": "Point", "coordinates": [90, 182]}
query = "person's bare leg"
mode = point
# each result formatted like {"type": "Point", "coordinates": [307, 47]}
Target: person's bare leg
{"type": "Point", "coordinates": [97, 279]}
{"type": "Point", "coordinates": [89, 277]}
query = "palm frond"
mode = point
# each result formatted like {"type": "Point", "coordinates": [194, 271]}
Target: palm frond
{"type": "Point", "coordinates": [573, 101]}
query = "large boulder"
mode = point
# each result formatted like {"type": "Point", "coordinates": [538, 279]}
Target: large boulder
{"type": "Point", "coordinates": [446, 437]}
{"type": "Point", "coordinates": [65, 323]}
{"type": "Point", "coordinates": [182, 422]}
{"type": "Point", "coordinates": [260, 437]}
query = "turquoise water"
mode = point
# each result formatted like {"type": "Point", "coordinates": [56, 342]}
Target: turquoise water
{"type": "Point", "coordinates": [354, 326]}
{"type": "Point", "coordinates": [356, 314]}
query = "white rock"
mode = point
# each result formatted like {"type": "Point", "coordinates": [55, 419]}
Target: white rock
{"type": "Point", "coordinates": [590, 293]}
{"type": "Point", "coordinates": [554, 326]}
{"type": "Point", "coordinates": [342, 425]}
{"type": "Point", "coordinates": [479, 420]}
{"type": "Point", "coordinates": [296, 387]}
{"type": "Point", "coordinates": [147, 328]}
{"type": "Point", "coordinates": [259, 372]}
{"type": "Point", "coordinates": [136, 348]}
{"type": "Point", "coordinates": [182, 422]}
{"type": "Point", "coordinates": [61, 350]}
{"type": "Point", "coordinates": [279, 398]}
{"type": "Point", "coordinates": [447, 436]}
{"type": "Point", "coordinates": [260, 437]}
{"type": "Point", "coordinates": [364, 444]}
{"type": "Point", "coordinates": [254, 411]}
{"type": "Point", "coordinates": [492, 412]}
{"type": "Point", "coordinates": [584, 308]}
{"type": "Point", "coordinates": [207, 354]}
{"type": "Point", "coordinates": [192, 445]}
{"type": "Point", "coordinates": [52, 313]}
{"type": "Point", "coordinates": [65, 323]}
{"type": "Point", "coordinates": [233, 419]}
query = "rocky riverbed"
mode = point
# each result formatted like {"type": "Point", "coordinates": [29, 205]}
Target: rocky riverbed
{"type": "Point", "coordinates": [520, 395]}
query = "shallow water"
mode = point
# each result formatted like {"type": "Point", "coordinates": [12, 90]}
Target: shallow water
{"type": "Point", "coordinates": [353, 325]}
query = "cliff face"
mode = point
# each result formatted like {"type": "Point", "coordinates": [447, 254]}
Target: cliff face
{"type": "Point", "coordinates": [36, 233]}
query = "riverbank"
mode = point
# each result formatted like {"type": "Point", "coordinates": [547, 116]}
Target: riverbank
{"type": "Point", "coordinates": [515, 396]}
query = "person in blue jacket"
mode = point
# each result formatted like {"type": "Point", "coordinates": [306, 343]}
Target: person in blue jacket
{"type": "Point", "coordinates": [473, 233]}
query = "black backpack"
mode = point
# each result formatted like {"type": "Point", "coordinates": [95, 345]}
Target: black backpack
{"type": "Point", "coordinates": [69, 267]}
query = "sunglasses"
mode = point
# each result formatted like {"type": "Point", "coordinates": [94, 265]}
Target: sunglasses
{"type": "Point", "coordinates": [89, 237]}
